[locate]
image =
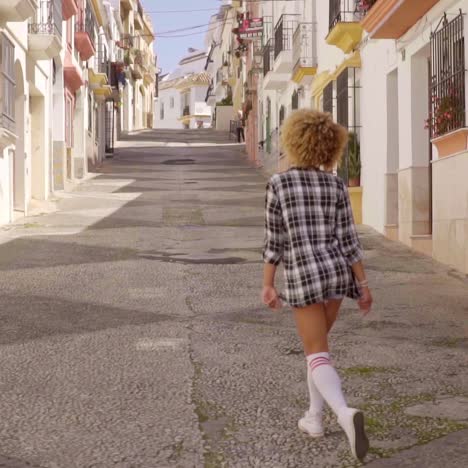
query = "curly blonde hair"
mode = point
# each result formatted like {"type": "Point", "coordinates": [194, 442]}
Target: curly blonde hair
{"type": "Point", "coordinates": [312, 139]}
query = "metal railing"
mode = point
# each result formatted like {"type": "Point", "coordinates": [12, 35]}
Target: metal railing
{"type": "Point", "coordinates": [267, 29]}
{"type": "Point", "coordinates": [48, 19]}
{"type": "Point", "coordinates": [126, 41]}
{"type": "Point", "coordinates": [304, 54]}
{"type": "Point", "coordinates": [284, 31]}
{"type": "Point", "coordinates": [7, 82]}
{"type": "Point", "coordinates": [447, 80]}
{"type": "Point", "coordinates": [101, 62]}
{"type": "Point", "coordinates": [86, 23]}
{"type": "Point", "coordinates": [268, 58]}
{"type": "Point", "coordinates": [344, 11]}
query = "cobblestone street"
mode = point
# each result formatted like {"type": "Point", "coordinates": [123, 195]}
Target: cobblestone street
{"type": "Point", "coordinates": [133, 334]}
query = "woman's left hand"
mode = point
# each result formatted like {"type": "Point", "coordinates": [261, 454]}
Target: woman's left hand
{"type": "Point", "coordinates": [270, 298]}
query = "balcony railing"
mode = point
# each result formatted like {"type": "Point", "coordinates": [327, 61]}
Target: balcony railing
{"type": "Point", "coordinates": [303, 46]}
{"type": "Point", "coordinates": [344, 11]}
{"type": "Point", "coordinates": [268, 57]}
{"type": "Point", "coordinates": [86, 23]}
{"type": "Point", "coordinates": [101, 62]}
{"type": "Point", "coordinates": [125, 42]}
{"type": "Point", "coordinates": [48, 19]}
{"type": "Point", "coordinates": [284, 31]}
{"type": "Point", "coordinates": [7, 83]}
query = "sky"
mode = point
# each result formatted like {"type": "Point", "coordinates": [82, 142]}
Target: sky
{"type": "Point", "coordinates": [171, 50]}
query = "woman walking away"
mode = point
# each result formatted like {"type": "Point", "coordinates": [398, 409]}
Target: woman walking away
{"type": "Point", "coordinates": [309, 227]}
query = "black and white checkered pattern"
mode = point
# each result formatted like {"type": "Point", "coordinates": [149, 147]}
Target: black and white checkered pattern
{"type": "Point", "coordinates": [309, 226]}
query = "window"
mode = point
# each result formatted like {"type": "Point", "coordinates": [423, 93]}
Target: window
{"type": "Point", "coordinates": [447, 93]}
{"type": "Point", "coordinates": [295, 100]}
{"type": "Point", "coordinates": [7, 83]}
{"type": "Point", "coordinates": [171, 103]}
{"type": "Point", "coordinates": [161, 110]}
{"type": "Point", "coordinates": [328, 98]}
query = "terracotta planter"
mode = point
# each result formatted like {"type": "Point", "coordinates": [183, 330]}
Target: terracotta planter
{"type": "Point", "coordinates": [452, 143]}
{"type": "Point", "coordinates": [354, 182]}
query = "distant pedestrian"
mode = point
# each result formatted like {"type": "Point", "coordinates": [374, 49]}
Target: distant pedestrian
{"type": "Point", "coordinates": [240, 127]}
{"type": "Point", "coordinates": [309, 227]}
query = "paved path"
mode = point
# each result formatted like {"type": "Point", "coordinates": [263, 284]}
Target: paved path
{"type": "Point", "coordinates": [132, 334]}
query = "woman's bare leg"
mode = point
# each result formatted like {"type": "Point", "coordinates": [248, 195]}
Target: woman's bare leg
{"type": "Point", "coordinates": [332, 308]}
{"type": "Point", "coordinates": [311, 323]}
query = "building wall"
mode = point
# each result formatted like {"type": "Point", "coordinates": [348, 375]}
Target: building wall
{"type": "Point", "coordinates": [171, 114]}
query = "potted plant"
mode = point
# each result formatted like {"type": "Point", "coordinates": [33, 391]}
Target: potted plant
{"type": "Point", "coordinates": [354, 161]}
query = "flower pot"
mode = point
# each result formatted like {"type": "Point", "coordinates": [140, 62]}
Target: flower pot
{"type": "Point", "coordinates": [452, 143]}
{"type": "Point", "coordinates": [354, 182]}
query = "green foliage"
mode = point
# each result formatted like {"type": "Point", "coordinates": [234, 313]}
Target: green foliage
{"type": "Point", "coordinates": [354, 156]}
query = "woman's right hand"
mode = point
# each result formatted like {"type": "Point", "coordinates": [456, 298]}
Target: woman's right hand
{"type": "Point", "coordinates": [270, 298]}
{"type": "Point", "coordinates": [365, 301]}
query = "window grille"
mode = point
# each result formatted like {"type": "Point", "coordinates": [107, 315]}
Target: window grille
{"type": "Point", "coordinates": [447, 80]}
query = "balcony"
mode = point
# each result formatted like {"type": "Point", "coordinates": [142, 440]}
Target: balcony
{"type": "Point", "coordinates": [345, 29]}
{"type": "Point", "coordinates": [98, 73]}
{"type": "Point", "coordinates": [69, 8]}
{"type": "Point", "coordinates": [304, 54]}
{"type": "Point", "coordinates": [272, 80]}
{"type": "Point", "coordinates": [7, 93]}
{"type": "Point", "coordinates": [137, 71]}
{"type": "Point", "coordinates": [45, 30]}
{"type": "Point", "coordinates": [283, 34]}
{"type": "Point", "coordinates": [138, 17]}
{"type": "Point", "coordinates": [72, 75]}
{"type": "Point", "coordinates": [125, 42]}
{"type": "Point", "coordinates": [390, 19]}
{"type": "Point", "coordinates": [85, 34]}
{"type": "Point", "coordinates": [17, 10]}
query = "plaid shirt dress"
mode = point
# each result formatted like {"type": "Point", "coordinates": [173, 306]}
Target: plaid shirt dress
{"type": "Point", "coordinates": [309, 226]}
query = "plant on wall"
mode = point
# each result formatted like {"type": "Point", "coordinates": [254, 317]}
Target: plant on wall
{"type": "Point", "coordinates": [366, 5]}
{"type": "Point", "coordinates": [354, 160]}
{"type": "Point", "coordinates": [446, 113]}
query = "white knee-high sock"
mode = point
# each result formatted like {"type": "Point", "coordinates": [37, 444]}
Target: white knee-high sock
{"type": "Point", "coordinates": [316, 398]}
{"type": "Point", "coordinates": [327, 381]}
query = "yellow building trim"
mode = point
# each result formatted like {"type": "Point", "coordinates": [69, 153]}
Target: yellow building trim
{"type": "Point", "coordinates": [97, 12]}
{"type": "Point", "coordinates": [301, 72]}
{"type": "Point", "coordinates": [351, 62]}
{"type": "Point", "coordinates": [355, 195]}
{"type": "Point", "coordinates": [97, 79]}
{"type": "Point", "coordinates": [103, 91]}
{"type": "Point", "coordinates": [345, 36]}
{"type": "Point", "coordinates": [321, 80]}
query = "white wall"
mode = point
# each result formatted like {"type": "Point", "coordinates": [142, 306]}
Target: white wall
{"type": "Point", "coordinates": [171, 115]}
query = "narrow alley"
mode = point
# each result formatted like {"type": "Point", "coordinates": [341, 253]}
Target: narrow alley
{"type": "Point", "coordinates": [133, 334]}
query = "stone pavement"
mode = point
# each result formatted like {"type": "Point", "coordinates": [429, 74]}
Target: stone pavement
{"type": "Point", "coordinates": [132, 333]}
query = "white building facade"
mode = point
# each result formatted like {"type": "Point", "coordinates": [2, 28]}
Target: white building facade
{"type": "Point", "coordinates": [182, 95]}
{"type": "Point", "coordinates": [414, 127]}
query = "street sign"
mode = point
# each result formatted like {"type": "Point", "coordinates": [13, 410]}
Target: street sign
{"type": "Point", "coordinates": [251, 28]}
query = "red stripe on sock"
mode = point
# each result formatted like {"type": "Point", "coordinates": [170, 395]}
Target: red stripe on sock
{"type": "Point", "coordinates": [321, 361]}
{"type": "Point", "coordinates": [320, 364]}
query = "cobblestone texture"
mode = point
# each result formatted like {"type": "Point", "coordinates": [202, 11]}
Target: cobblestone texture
{"type": "Point", "coordinates": [132, 334]}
